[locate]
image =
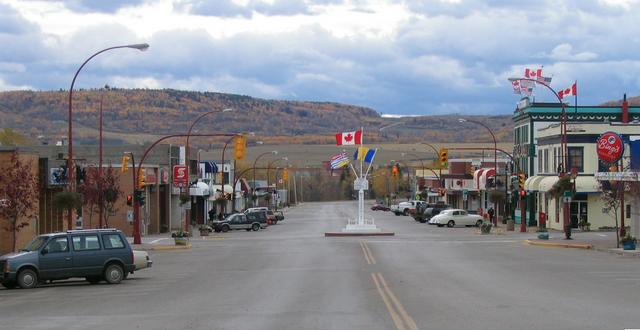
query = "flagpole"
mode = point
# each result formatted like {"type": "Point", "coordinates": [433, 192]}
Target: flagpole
{"type": "Point", "coordinates": [576, 101]}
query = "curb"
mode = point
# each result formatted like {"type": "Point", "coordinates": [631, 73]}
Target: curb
{"type": "Point", "coordinates": [559, 245]}
{"type": "Point", "coordinates": [170, 247]}
{"type": "Point", "coordinates": [360, 234]}
{"type": "Point", "coordinates": [634, 254]}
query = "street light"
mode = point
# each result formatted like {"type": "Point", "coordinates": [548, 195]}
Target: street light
{"type": "Point", "coordinates": [253, 189]}
{"type": "Point", "coordinates": [495, 154]}
{"type": "Point", "coordinates": [141, 47]}
{"type": "Point", "coordinates": [188, 161]}
{"type": "Point", "coordinates": [269, 166]}
{"type": "Point", "coordinates": [421, 163]}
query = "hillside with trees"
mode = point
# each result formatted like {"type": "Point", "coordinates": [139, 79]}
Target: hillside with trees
{"type": "Point", "coordinates": [148, 113]}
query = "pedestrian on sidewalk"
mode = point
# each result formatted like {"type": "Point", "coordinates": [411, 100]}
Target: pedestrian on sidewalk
{"type": "Point", "coordinates": [212, 214]}
{"type": "Point", "coordinates": [491, 213]}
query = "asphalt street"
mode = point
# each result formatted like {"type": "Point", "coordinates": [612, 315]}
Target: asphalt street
{"type": "Point", "coordinates": [290, 276]}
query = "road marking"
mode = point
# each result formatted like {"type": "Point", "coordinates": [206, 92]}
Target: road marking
{"type": "Point", "coordinates": [367, 253]}
{"type": "Point", "coordinates": [602, 235]}
{"type": "Point", "coordinates": [364, 251]}
{"type": "Point", "coordinates": [387, 294]}
{"type": "Point", "coordinates": [394, 315]}
{"type": "Point", "coordinates": [157, 240]}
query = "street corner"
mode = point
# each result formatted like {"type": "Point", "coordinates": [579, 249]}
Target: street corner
{"type": "Point", "coordinates": [535, 242]}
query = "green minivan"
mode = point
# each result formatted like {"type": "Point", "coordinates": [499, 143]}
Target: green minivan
{"type": "Point", "coordinates": [95, 254]}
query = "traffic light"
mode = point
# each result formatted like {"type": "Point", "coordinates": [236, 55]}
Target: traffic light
{"type": "Point", "coordinates": [521, 179]}
{"type": "Point", "coordinates": [444, 157]}
{"type": "Point", "coordinates": [285, 174]}
{"type": "Point", "coordinates": [139, 197]}
{"type": "Point", "coordinates": [125, 164]}
{"type": "Point", "coordinates": [239, 147]}
{"type": "Point", "coordinates": [394, 171]}
{"type": "Point", "coordinates": [129, 200]}
{"type": "Point", "coordinates": [141, 179]}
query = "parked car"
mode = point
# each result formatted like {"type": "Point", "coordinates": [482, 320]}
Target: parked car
{"type": "Point", "coordinates": [250, 221]}
{"type": "Point", "coordinates": [141, 260]}
{"type": "Point", "coordinates": [405, 208]}
{"type": "Point", "coordinates": [279, 215]}
{"type": "Point", "coordinates": [456, 217]}
{"type": "Point", "coordinates": [95, 254]}
{"type": "Point", "coordinates": [271, 218]}
{"type": "Point", "coordinates": [424, 212]}
{"type": "Point", "coordinates": [379, 207]}
{"type": "Point", "coordinates": [261, 214]}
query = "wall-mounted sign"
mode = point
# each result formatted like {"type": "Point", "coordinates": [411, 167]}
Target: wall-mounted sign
{"type": "Point", "coordinates": [609, 147]}
{"type": "Point", "coordinates": [180, 177]}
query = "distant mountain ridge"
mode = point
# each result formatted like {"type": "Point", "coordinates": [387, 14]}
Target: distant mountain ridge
{"type": "Point", "coordinates": [155, 112]}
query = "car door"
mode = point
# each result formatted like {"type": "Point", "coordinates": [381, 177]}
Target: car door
{"type": "Point", "coordinates": [465, 219]}
{"type": "Point", "coordinates": [56, 259]}
{"type": "Point", "coordinates": [88, 256]}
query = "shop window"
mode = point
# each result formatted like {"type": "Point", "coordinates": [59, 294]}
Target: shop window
{"type": "Point", "coordinates": [576, 158]}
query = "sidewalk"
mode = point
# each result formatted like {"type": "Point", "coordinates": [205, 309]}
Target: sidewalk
{"type": "Point", "coordinates": [603, 241]}
{"type": "Point", "coordinates": [160, 242]}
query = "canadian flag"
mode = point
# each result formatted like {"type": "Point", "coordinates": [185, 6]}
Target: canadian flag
{"type": "Point", "coordinates": [573, 90]}
{"type": "Point", "coordinates": [533, 74]}
{"type": "Point", "coordinates": [349, 138]}
{"type": "Point", "coordinates": [516, 86]}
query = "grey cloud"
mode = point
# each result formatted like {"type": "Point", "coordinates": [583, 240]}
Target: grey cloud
{"type": "Point", "coordinates": [106, 6]}
{"type": "Point", "coordinates": [221, 8]}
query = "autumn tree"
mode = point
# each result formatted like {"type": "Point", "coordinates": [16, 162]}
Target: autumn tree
{"type": "Point", "coordinates": [18, 194]}
{"type": "Point", "coordinates": [101, 191]}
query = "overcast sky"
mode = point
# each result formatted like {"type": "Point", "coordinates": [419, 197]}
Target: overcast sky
{"type": "Point", "coordinates": [396, 56]}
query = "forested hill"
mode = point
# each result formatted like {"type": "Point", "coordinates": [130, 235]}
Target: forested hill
{"type": "Point", "coordinates": [151, 112]}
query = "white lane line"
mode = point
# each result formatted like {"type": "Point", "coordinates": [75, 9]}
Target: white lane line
{"type": "Point", "coordinates": [602, 235]}
{"type": "Point", "coordinates": [157, 240]}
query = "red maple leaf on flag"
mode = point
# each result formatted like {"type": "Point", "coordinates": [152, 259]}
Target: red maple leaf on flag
{"type": "Point", "coordinates": [349, 137]}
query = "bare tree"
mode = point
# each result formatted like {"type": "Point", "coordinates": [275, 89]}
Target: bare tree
{"type": "Point", "coordinates": [610, 195]}
{"type": "Point", "coordinates": [18, 194]}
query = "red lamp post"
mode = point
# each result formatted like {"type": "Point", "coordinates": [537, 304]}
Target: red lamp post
{"type": "Point", "coordinates": [70, 168]}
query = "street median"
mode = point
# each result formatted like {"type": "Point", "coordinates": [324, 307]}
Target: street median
{"type": "Point", "coordinates": [583, 246]}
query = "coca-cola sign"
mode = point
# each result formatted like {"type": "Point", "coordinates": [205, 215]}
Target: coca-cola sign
{"type": "Point", "coordinates": [609, 147]}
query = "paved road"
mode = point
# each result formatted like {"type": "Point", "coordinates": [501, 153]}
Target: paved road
{"type": "Point", "coordinates": [291, 277]}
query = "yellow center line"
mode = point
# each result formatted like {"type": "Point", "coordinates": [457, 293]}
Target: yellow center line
{"type": "Point", "coordinates": [366, 247]}
{"type": "Point", "coordinates": [403, 312]}
{"type": "Point", "coordinates": [394, 315]}
{"type": "Point", "coordinates": [364, 251]}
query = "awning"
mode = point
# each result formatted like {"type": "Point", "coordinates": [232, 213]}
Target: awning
{"type": "Point", "coordinates": [586, 184]}
{"type": "Point", "coordinates": [533, 182]}
{"type": "Point", "coordinates": [486, 173]}
{"type": "Point", "coordinates": [228, 189]}
{"type": "Point", "coordinates": [476, 176]}
{"type": "Point", "coordinates": [199, 189]}
{"type": "Point", "coordinates": [547, 182]}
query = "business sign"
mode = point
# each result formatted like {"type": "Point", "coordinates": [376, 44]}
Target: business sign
{"type": "Point", "coordinates": [150, 176]}
{"type": "Point", "coordinates": [180, 177]}
{"type": "Point", "coordinates": [57, 176]}
{"type": "Point", "coordinates": [609, 147]}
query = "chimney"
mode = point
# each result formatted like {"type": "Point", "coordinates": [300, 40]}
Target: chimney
{"type": "Point", "coordinates": [625, 110]}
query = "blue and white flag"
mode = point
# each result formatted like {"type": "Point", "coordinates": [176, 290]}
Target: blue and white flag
{"type": "Point", "coordinates": [339, 160]}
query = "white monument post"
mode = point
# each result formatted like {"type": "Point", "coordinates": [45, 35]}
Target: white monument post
{"type": "Point", "coordinates": [361, 184]}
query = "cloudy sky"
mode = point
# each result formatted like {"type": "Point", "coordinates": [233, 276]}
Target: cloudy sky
{"type": "Point", "coordinates": [395, 56]}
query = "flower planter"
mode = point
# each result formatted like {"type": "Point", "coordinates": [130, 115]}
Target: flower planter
{"type": "Point", "coordinates": [204, 233]}
{"type": "Point", "coordinates": [544, 235]}
{"type": "Point", "coordinates": [628, 246]}
{"type": "Point", "coordinates": [181, 240]}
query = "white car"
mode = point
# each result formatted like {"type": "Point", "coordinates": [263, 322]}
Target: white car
{"type": "Point", "coordinates": [456, 217]}
{"type": "Point", "coordinates": [141, 260]}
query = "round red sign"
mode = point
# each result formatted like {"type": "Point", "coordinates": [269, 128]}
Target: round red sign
{"type": "Point", "coordinates": [609, 147]}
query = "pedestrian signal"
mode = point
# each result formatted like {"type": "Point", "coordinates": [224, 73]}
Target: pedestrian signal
{"type": "Point", "coordinates": [239, 147]}
{"type": "Point", "coordinates": [444, 157]}
{"type": "Point", "coordinates": [394, 170]}
{"type": "Point", "coordinates": [129, 200]}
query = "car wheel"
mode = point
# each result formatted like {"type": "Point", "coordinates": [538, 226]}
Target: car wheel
{"type": "Point", "coordinates": [93, 279]}
{"type": "Point", "coordinates": [27, 279]}
{"type": "Point", "coordinates": [255, 227]}
{"type": "Point", "coordinates": [478, 223]}
{"type": "Point", "coordinates": [217, 230]}
{"type": "Point", "coordinates": [9, 284]}
{"type": "Point", "coordinates": [423, 220]}
{"type": "Point", "coordinates": [225, 229]}
{"type": "Point", "coordinates": [397, 214]}
{"type": "Point", "coordinates": [451, 223]}
{"type": "Point", "coordinates": [405, 212]}
{"type": "Point", "coordinates": [113, 274]}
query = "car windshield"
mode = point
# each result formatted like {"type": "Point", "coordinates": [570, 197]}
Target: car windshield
{"type": "Point", "coordinates": [35, 244]}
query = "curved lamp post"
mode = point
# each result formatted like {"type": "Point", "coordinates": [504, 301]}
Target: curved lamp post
{"type": "Point", "coordinates": [188, 161]}
{"type": "Point", "coordinates": [564, 156]}
{"type": "Point", "coordinates": [269, 167]}
{"type": "Point", "coordinates": [70, 177]}
{"type": "Point", "coordinates": [253, 189]}
{"type": "Point", "coordinates": [495, 154]}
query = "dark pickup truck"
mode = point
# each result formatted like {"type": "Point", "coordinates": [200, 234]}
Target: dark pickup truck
{"type": "Point", "coordinates": [250, 221]}
{"type": "Point", "coordinates": [424, 212]}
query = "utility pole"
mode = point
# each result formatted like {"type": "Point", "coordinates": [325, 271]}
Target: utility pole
{"type": "Point", "coordinates": [295, 190]}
